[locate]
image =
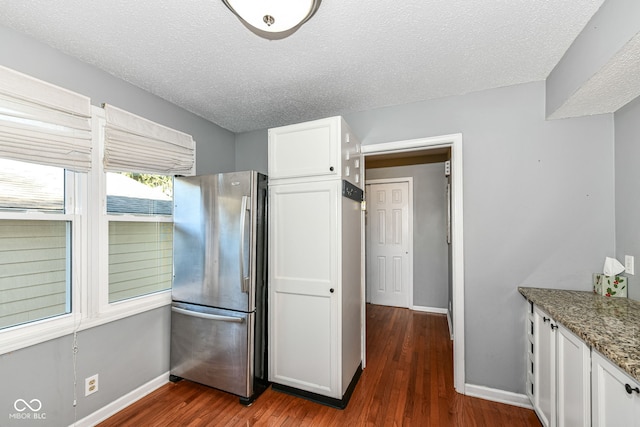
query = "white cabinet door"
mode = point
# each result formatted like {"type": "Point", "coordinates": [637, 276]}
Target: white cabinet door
{"type": "Point", "coordinates": [615, 396]}
{"type": "Point", "coordinates": [305, 149]}
{"type": "Point", "coordinates": [573, 380]}
{"type": "Point", "coordinates": [544, 394]}
{"type": "Point", "coordinates": [303, 291]}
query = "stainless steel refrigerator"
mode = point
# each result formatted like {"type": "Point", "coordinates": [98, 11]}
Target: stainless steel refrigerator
{"type": "Point", "coordinates": [218, 313]}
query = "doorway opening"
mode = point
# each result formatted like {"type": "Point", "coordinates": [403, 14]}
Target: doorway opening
{"type": "Point", "coordinates": [449, 146]}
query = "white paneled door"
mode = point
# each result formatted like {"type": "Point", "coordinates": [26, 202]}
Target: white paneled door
{"type": "Point", "coordinates": [388, 249]}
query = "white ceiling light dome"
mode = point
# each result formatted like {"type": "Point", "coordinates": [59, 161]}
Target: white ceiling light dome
{"type": "Point", "coordinates": [276, 18]}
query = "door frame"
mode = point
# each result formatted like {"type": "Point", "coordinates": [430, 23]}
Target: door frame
{"type": "Point", "coordinates": [409, 181]}
{"type": "Point", "coordinates": [454, 142]}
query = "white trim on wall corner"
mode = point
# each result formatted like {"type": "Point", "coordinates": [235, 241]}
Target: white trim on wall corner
{"type": "Point", "coordinates": [500, 396]}
{"type": "Point", "coordinates": [450, 324]}
{"type": "Point", "coordinates": [434, 310]}
{"type": "Point", "coordinates": [122, 402]}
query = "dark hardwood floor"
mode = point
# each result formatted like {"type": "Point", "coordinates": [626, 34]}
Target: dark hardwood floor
{"type": "Point", "coordinates": [408, 381]}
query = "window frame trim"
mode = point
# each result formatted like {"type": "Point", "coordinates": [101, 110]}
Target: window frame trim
{"type": "Point", "coordinates": [85, 203]}
{"type": "Point", "coordinates": [38, 331]}
{"type": "Point", "coordinates": [102, 309]}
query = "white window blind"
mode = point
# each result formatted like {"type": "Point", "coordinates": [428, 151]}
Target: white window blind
{"type": "Point", "coordinates": [133, 143]}
{"type": "Point", "coordinates": [42, 123]}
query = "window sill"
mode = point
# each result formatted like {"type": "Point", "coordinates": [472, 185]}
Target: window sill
{"type": "Point", "coordinates": [27, 335]}
{"type": "Point", "coordinates": [121, 309]}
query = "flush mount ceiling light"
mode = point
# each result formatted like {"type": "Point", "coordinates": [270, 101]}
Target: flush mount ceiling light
{"type": "Point", "coordinates": [273, 18]}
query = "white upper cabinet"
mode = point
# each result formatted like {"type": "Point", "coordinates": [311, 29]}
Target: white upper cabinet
{"type": "Point", "coordinates": [322, 149]}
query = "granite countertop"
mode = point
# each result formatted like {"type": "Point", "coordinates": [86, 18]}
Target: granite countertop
{"type": "Point", "coordinates": [609, 325]}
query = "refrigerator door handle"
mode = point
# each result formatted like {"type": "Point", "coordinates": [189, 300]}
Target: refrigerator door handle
{"type": "Point", "coordinates": [207, 316]}
{"type": "Point", "coordinates": [246, 206]}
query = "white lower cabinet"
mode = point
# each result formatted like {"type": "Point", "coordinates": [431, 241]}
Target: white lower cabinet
{"type": "Point", "coordinates": [561, 374]}
{"type": "Point", "coordinates": [304, 281]}
{"type": "Point", "coordinates": [315, 296]}
{"type": "Point", "coordinates": [573, 380]}
{"type": "Point", "coordinates": [616, 396]}
{"type": "Point", "coordinates": [544, 370]}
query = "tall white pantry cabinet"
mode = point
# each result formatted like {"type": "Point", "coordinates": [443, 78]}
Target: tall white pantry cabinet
{"type": "Point", "coordinates": [315, 235]}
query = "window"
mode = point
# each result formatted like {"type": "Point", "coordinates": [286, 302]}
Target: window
{"type": "Point", "coordinates": [140, 159]}
{"type": "Point", "coordinates": [45, 152]}
{"type": "Point", "coordinates": [139, 211]}
{"type": "Point", "coordinates": [35, 253]}
{"type": "Point", "coordinates": [85, 211]}
{"type": "Point", "coordinates": [31, 187]}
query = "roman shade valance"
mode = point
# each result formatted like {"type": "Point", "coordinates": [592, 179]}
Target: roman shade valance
{"type": "Point", "coordinates": [43, 123]}
{"type": "Point", "coordinates": [135, 144]}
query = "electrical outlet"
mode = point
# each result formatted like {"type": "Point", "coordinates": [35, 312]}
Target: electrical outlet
{"type": "Point", "coordinates": [628, 264]}
{"type": "Point", "coordinates": [90, 385]}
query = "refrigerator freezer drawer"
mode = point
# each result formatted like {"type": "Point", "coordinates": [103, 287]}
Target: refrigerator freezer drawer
{"type": "Point", "coordinates": [213, 347]}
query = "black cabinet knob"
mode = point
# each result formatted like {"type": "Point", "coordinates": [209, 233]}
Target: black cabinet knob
{"type": "Point", "coordinates": [631, 389]}
{"type": "Point", "coordinates": [331, 290]}
{"type": "Point", "coordinates": [331, 168]}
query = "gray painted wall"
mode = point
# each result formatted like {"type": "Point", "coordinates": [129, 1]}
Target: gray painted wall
{"type": "Point", "coordinates": [430, 249]}
{"type": "Point", "coordinates": [125, 354]}
{"type": "Point", "coordinates": [252, 151]}
{"type": "Point", "coordinates": [214, 145]}
{"type": "Point", "coordinates": [129, 352]}
{"type": "Point", "coordinates": [538, 207]}
{"type": "Point", "coordinates": [627, 173]}
{"type": "Point", "coordinates": [533, 208]}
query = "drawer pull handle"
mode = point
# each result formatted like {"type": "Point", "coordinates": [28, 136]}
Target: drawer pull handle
{"type": "Point", "coordinates": [545, 319]}
{"type": "Point", "coordinates": [554, 327]}
{"type": "Point", "coordinates": [631, 389]}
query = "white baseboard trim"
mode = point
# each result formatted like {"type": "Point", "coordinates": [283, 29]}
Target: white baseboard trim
{"type": "Point", "coordinates": [450, 323]}
{"type": "Point", "coordinates": [500, 396]}
{"type": "Point", "coordinates": [121, 403]}
{"type": "Point", "coordinates": [435, 310]}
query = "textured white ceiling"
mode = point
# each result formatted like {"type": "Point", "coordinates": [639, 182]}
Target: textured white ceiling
{"type": "Point", "coordinates": [613, 86]}
{"type": "Point", "coordinates": [352, 55]}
